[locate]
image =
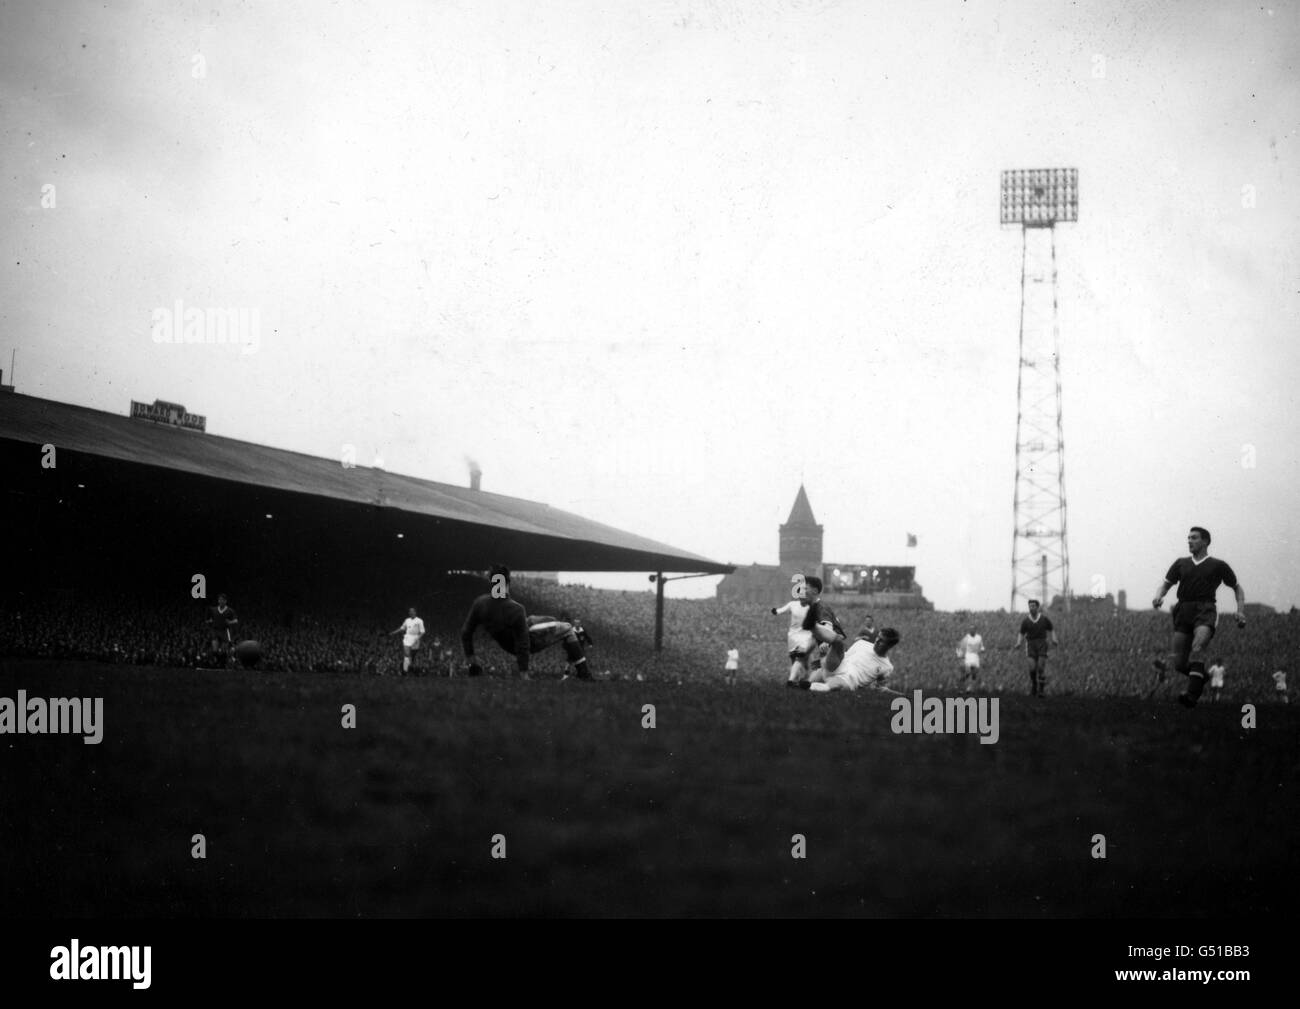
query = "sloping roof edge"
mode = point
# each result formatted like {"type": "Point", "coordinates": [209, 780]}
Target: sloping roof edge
{"type": "Point", "coordinates": [28, 419]}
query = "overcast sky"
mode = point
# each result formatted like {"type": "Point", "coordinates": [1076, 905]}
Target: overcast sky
{"type": "Point", "coordinates": [656, 262]}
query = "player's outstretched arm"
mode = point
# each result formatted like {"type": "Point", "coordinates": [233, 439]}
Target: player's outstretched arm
{"type": "Point", "coordinates": [833, 683]}
{"type": "Point", "coordinates": [1240, 593]}
{"type": "Point", "coordinates": [1161, 592]}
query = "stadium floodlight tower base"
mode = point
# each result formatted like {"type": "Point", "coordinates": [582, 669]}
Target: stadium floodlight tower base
{"type": "Point", "coordinates": [1037, 200]}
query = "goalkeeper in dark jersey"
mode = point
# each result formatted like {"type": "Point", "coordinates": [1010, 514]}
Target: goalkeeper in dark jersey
{"type": "Point", "coordinates": [1198, 578]}
{"type": "Point", "coordinates": [509, 625]}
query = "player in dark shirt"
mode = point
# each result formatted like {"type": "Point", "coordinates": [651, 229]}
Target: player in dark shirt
{"type": "Point", "coordinates": [1034, 630]}
{"type": "Point", "coordinates": [826, 629]}
{"type": "Point", "coordinates": [509, 625]}
{"type": "Point", "coordinates": [1198, 578]}
{"type": "Point", "coordinates": [223, 621]}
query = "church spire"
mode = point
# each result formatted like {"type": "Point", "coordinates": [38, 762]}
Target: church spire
{"type": "Point", "coordinates": [801, 514]}
{"type": "Point", "coordinates": [801, 538]}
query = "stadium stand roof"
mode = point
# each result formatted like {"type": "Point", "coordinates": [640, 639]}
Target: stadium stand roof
{"type": "Point", "coordinates": [581, 544]}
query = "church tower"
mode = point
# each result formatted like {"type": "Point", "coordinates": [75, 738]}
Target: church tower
{"type": "Point", "coordinates": [801, 539]}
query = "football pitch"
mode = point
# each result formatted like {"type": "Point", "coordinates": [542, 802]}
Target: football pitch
{"type": "Point", "coordinates": [501, 797]}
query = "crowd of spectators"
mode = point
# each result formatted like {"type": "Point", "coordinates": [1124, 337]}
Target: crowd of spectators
{"type": "Point", "coordinates": [1102, 650]}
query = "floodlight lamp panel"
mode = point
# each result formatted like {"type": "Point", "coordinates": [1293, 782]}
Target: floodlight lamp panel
{"type": "Point", "coordinates": [1040, 197]}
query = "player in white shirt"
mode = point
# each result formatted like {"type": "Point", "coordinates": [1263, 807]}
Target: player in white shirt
{"type": "Point", "coordinates": [864, 665]}
{"type": "Point", "coordinates": [733, 664]}
{"type": "Point", "coordinates": [1279, 684]}
{"type": "Point", "coordinates": [412, 630]}
{"type": "Point", "coordinates": [1216, 679]}
{"type": "Point", "coordinates": [969, 649]}
{"type": "Point", "coordinates": [799, 643]}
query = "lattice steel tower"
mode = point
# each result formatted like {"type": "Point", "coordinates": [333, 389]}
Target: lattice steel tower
{"type": "Point", "coordinates": [1038, 200]}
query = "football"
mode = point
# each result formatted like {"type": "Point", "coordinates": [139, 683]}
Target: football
{"type": "Point", "coordinates": [249, 653]}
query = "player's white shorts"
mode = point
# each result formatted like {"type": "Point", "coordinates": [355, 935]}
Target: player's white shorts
{"type": "Point", "coordinates": [972, 661]}
{"type": "Point", "coordinates": [799, 641]}
{"type": "Point", "coordinates": [412, 643]}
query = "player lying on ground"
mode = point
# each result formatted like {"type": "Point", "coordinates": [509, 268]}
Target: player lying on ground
{"type": "Point", "coordinates": [864, 665]}
{"type": "Point", "coordinates": [509, 625]}
{"type": "Point", "coordinates": [412, 630]}
{"type": "Point", "coordinates": [1198, 578]}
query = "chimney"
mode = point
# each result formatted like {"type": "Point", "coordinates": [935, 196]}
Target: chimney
{"type": "Point", "coordinates": [475, 477]}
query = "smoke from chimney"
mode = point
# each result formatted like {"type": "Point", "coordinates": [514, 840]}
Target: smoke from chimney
{"type": "Point", "coordinates": [475, 473]}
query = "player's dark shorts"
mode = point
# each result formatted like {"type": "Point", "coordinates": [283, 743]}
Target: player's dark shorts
{"type": "Point", "coordinates": [1036, 648]}
{"type": "Point", "coordinates": [1190, 615]}
{"type": "Point", "coordinates": [546, 631]}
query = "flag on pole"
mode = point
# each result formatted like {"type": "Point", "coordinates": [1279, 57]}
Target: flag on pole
{"type": "Point", "coordinates": [911, 539]}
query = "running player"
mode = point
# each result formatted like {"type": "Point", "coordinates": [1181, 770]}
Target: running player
{"type": "Point", "coordinates": [1216, 679]}
{"type": "Point", "coordinates": [412, 630]}
{"type": "Point", "coordinates": [865, 664]}
{"type": "Point", "coordinates": [969, 648]}
{"type": "Point", "coordinates": [1034, 630]}
{"type": "Point", "coordinates": [1198, 578]}
{"type": "Point", "coordinates": [798, 642]}
{"type": "Point", "coordinates": [509, 625]}
{"type": "Point", "coordinates": [223, 621]}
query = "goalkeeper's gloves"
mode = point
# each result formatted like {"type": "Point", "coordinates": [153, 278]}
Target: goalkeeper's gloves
{"type": "Point", "coordinates": [773, 611]}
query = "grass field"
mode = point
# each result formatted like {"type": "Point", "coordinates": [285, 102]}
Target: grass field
{"type": "Point", "coordinates": [601, 816]}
